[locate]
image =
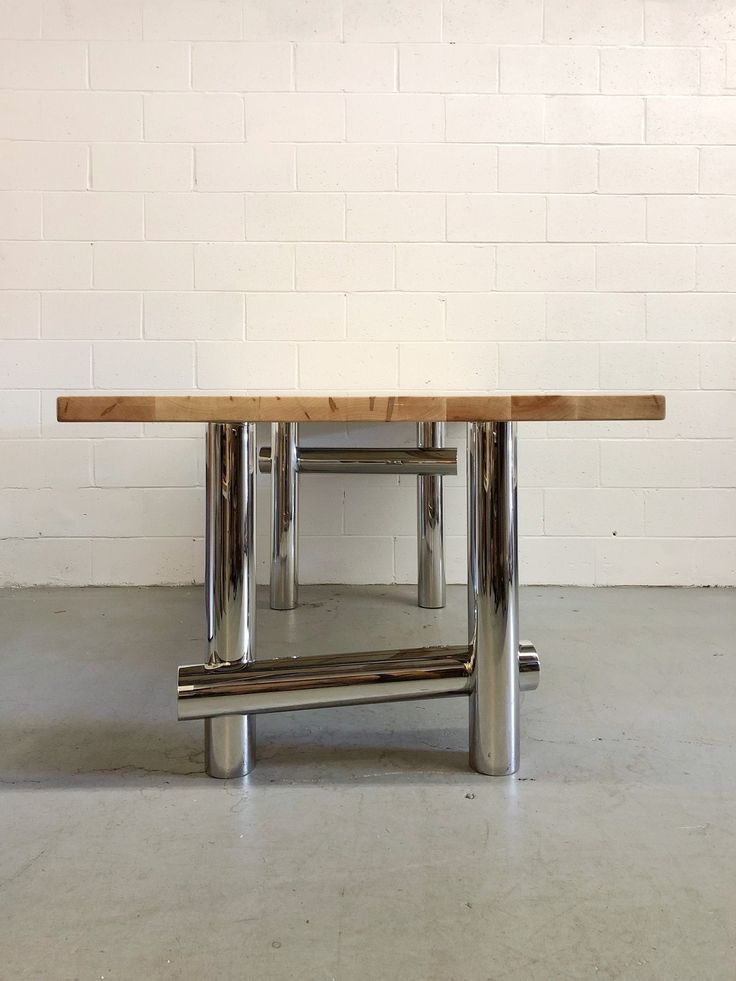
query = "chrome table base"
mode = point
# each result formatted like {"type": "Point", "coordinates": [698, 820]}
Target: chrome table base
{"type": "Point", "coordinates": [491, 668]}
{"type": "Point", "coordinates": [285, 460]}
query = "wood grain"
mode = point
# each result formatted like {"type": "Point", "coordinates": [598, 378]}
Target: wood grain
{"type": "Point", "coordinates": [338, 408]}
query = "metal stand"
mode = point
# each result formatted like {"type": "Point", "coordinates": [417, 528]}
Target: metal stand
{"type": "Point", "coordinates": [285, 460]}
{"type": "Point", "coordinates": [491, 668]}
{"type": "Point", "coordinates": [430, 536]}
{"type": "Point", "coordinates": [230, 586]}
{"type": "Point", "coordinates": [284, 516]}
{"type": "Point", "coordinates": [493, 597]}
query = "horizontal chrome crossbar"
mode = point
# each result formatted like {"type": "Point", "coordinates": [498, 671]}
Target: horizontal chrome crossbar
{"type": "Point", "coordinates": [288, 684]}
{"type": "Point", "coordinates": [432, 461]}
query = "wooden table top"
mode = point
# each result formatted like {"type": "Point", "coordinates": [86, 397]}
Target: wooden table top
{"type": "Point", "coordinates": [356, 408]}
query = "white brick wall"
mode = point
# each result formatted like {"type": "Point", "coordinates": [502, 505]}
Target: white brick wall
{"type": "Point", "coordinates": [236, 195]}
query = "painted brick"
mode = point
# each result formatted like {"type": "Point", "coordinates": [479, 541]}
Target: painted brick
{"type": "Point", "coordinates": [246, 366]}
{"type": "Point", "coordinates": [718, 170]}
{"type": "Point", "coordinates": [718, 366]}
{"type": "Point", "coordinates": [146, 561]}
{"type": "Point", "coordinates": [682, 119]}
{"type": "Point", "coordinates": [716, 267]}
{"type": "Point", "coordinates": [643, 169]}
{"type": "Point", "coordinates": [194, 316]}
{"type": "Point", "coordinates": [65, 561]}
{"type": "Point", "coordinates": [145, 462]}
{"type": "Point", "coordinates": [395, 118]}
{"type": "Point", "coordinates": [547, 365]}
{"type": "Point", "coordinates": [547, 168]}
{"type": "Point", "coordinates": [593, 511]}
{"type": "Point", "coordinates": [596, 316]}
{"type": "Point", "coordinates": [691, 316]}
{"type": "Point", "coordinates": [688, 22]}
{"type": "Point", "coordinates": [492, 20]}
{"type": "Point", "coordinates": [143, 266]}
{"type": "Point", "coordinates": [31, 166]}
{"type": "Point", "coordinates": [691, 219]}
{"type": "Point", "coordinates": [91, 315]}
{"type": "Point", "coordinates": [21, 215]}
{"type": "Point", "coordinates": [392, 20]}
{"type": "Point", "coordinates": [138, 365]}
{"type": "Point", "coordinates": [45, 265]}
{"type": "Point", "coordinates": [141, 167]}
{"type": "Point", "coordinates": [345, 68]}
{"type": "Point", "coordinates": [194, 118]}
{"type": "Point", "coordinates": [630, 367]}
{"type": "Point", "coordinates": [638, 268]}
{"type": "Point", "coordinates": [660, 71]}
{"type": "Point", "coordinates": [445, 267]}
{"type": "Point", "coordinates": [596, 218]}
{"type": "Point", "coordinates": [295, 117]}
{"type": "Point", "coordinates": [549, 70]}
{"type": "Point", "coordinates": [594, 119]}
{"type": "Point", "coordinates": [190, 20]}
{"type": "Point", "coordinates": [195, 216]}
{"type": "Point", "coordinates": [558, 463]}
{"type": "Point", "coordinates": [346, 168]}
{"type": "Point", "coordinates": [496, 218]}
{"type": "Point", "coordinates": [553, 267]}
{"type": "Point", "coordinates": [344, 267]}
{"type": "Point", "coordinates": [495, 118]}
{"type": "Point", "coordinates": [432, 367]}
{"type": "Point", "coordinates": [35, 463]}
{"type": "Point", "coordinates": [448, 68]}
{"type": "Point", "coordinates": [395, 217]}
{"type": "Point", "coordinates": [20, 20]}
{"type": "Point", "coordinates": [580, 22]}
{"type": "Point", "coordinates": [348, 365]}
{"type": "Point", "coordinates": [87, 19]}
{"type": "Point", "coordinates": [134, 65]}
{"type": "Point", "coordinates": [399, 316]}
{"type": "Point", "coordinates": [495, 316]}
{"type": "Point", "coordinates": [281, 20]}
{"type": "Point", "coordinates": [295, 217]}
{"type": "Point", "coordinates": [241, 67]}
{"type": "Point", "coordinates": [243, 266]}
{"type": "Point", "coordinates": [447, 168]}
{"type": "Point", "coordinates": [19, 315]}
{"type": "Point", "coordinates": [44, 364]}
{"type": "Point", "coordinates": [295, 316]}
{"type": "Point", "coordinates": [257, 167]}
{"type": "Point", "coordinates": [43, 64]}
{"type": "Point", "coordinates": [69, 215]}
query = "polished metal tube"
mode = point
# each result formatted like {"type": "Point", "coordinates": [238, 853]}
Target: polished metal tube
{"type": "Point", "coordinates": [381, 460]}
{"type": "Point", "coordinates": [492, 522]}
{"type": "Point", "coordinates": [284, 516]}
{"type": "Point", "coordinates": [286, 684]}
{"type": "Point", "coordinates": [230, 585]}
{"type": "Point", "coordinates": [430, 535]}
{"type": "Point", "coordinates": [528, 666]}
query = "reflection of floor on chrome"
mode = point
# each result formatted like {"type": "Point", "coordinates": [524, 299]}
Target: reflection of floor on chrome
{"type": "Point", "coordinates": [362, 846]}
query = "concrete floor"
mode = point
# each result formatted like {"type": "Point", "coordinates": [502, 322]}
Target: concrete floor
{"type": "Point", "coordinates": [362, 847]}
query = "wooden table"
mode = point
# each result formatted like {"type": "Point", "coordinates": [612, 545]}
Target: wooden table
{"type": "Point", "coordinates": [489, 666]}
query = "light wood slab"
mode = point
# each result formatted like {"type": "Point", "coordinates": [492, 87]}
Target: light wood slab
{"type": "Point", "coordinates": [338, 408]}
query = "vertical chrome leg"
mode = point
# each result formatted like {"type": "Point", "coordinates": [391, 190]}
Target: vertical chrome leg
{"type": "Point", "coordinates": [493, 583]}
{"type": "Point", "coordinates": [430, 544]}
{"type": "Point", "coordinates": [230, 584]}
{"type": "Point", "coordinates": [284, 513]}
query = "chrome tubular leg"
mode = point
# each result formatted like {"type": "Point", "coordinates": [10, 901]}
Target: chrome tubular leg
{"type": "Point", "coordinates": [430, 544]}
{"type": "Point", "coordinates": [284, 512]}
{"type": "Point", "coordinates": [230, 585]}
{"type": "Point", "coordinates": [493, 585]}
